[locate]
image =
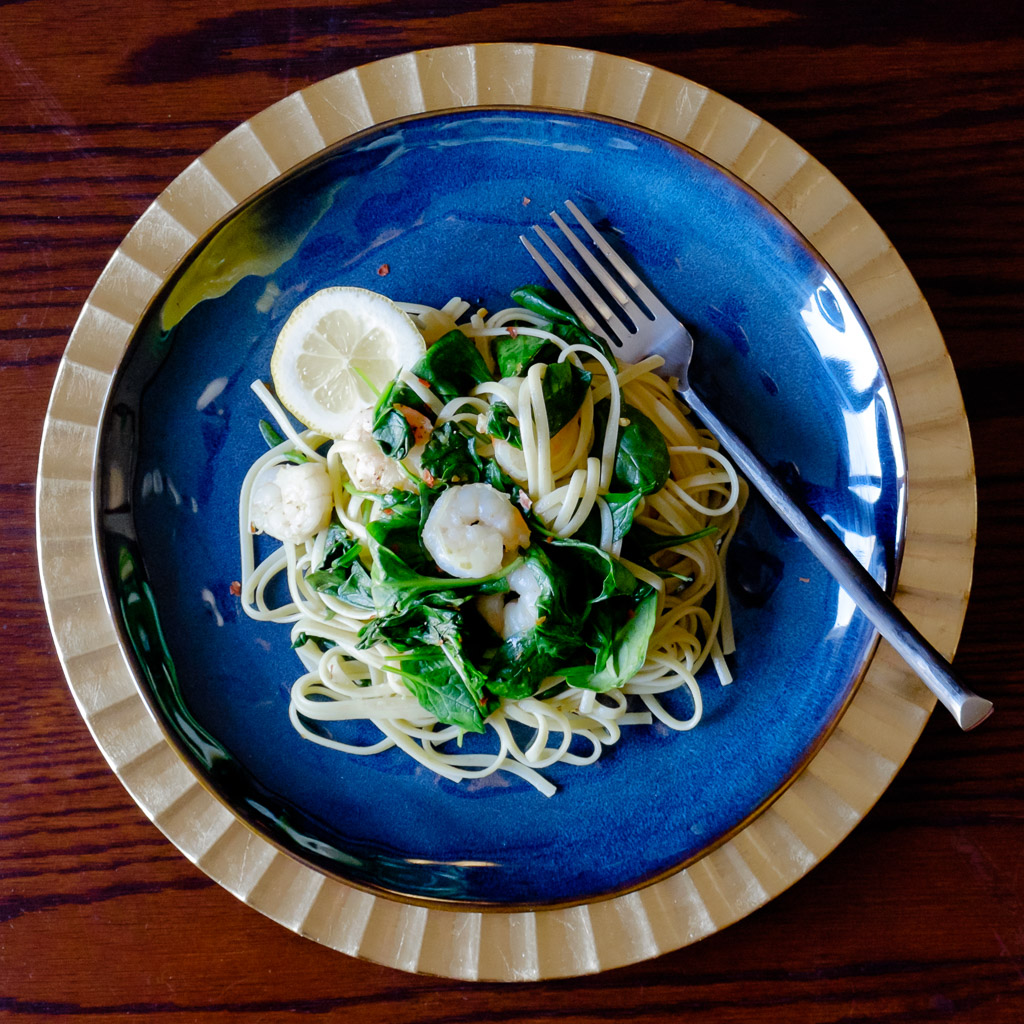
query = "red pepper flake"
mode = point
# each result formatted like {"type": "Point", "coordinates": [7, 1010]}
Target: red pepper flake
{"type": "Point", "coordinates": [804, 579]}
{"type": "Point", "coordinates": [425, 383]}
{"type": "Point", "coordinates": [383, 270]}
{"type": "Point", "coordinates": [428, 478]}
{"type": "Point", "coordinates": [512, 331]}
{"type": "Point", "coordinates": [235, 588]}
{"type": "Point", "coordinates": [524, 500]}
{"type": "Point", "coordinates": [526, 200]}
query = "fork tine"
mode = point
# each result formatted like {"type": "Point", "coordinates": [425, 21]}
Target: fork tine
{"type": "Point", "coordinates": [621, 334]}
{"type": "Point", "coordinates": [592, 262]}
{"type": "Point", "coordinates": [642, 292]}
{"type": "Point", "coordinates": [565, 291]}
{"type": "Point", "coordinates": [603, 310]}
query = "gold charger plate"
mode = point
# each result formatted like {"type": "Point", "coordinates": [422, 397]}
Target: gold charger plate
{"type": "Point", "coordinates": [839, 785]}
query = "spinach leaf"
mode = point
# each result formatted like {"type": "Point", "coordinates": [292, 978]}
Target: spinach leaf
{"type": "Point", "coordinates": [641, 457]}
{"type": "Point", "coordinates": [452, 366]}
{"type": "Point", "coordinates": [273, 439]}
{"type": "Point", "coordinates": [340, 549]}
{"type": "Point", "coordinates": [450, 455]}
{"type": "Point", "coordinates": [270, 434]}
{"type": "Point", "coordinates": [566, 325]}
{"type": "Point", "coordinates": [544, 302]}
{"type": "Point", "coordinates": [449, 695]}
{"type": "Point", "coordinates": [645, 542]}
{"type": "Point", "coordinates": [524, 661]}
{"type": "Point", "coordinates": [350, 584]}
{"type": "Point", "coordinates": [397, 587]}
{"type": "Point", "coordinates": [391, 429]}
{"type": "Point", "coordinates": [564, 388]}
{"type": "Point", "coordinates": [596, 574]}
{"type": "Point", "coordinates": [433, 663]}
{"type": "Point", "coordinates": [627, 650]}
{"type": "Point", "coordinates": [516, 353]}
{"type": "Point", "coordinates": [340, 573]}
{"type": "Point", "coordinates": [322, 644]}
{"type": "Point", "coordinates": [641, 460]}
{"type": "Point", "coordinates": [500, 424]}
{"type": "Point", "coordinates": [622, 507]}
{"type": "Point", "coordinates": [421, 624]}
{"type": "Point", "coordinates": [578, 335]}
{"type": "Point", "coordinates": [501, 481]}
{"type": "Point", "coordinates": [399, 527]}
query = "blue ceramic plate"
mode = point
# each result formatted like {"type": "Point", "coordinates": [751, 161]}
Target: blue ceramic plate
{"type": "Point", "coordinates": [440, 200]}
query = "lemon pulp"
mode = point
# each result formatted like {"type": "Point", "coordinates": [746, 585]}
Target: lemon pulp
{"type": "Point", "coordinates": [337, 351]}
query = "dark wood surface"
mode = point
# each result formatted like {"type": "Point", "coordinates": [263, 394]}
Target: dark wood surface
{"type": "Point", "coordinates": [917, 107]}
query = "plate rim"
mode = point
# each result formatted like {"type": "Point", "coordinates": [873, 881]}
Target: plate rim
{"type": "Point", "coordinates": [819, 806]}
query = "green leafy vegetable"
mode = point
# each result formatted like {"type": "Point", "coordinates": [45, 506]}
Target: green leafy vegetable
{"type": "Point", "coordinates": [273, 439]}
{"type": "Point", "coordinates": [543, 301]}
{"type": "Point", "coordinates": [562, 323]}
{"type": "Point", "coordinates": [442, 689]}
{"type": "Point", "coordinates": [350, 584]}
{"type": "Point", "coordinates": [623, 650]}
{"type": "Point", "coordinates": [516, 353]}
{"type": "Point", "coordinates": [340, 573]}
{"type": "Point", "coordinates": [397, 588]}
{"type": "Point", "coordinates": [594, 571]}
{"type": "Point", "coordinates": [641, 457]}
{"type": "Point", "coordinates": [452, 366]}
{"type": "Point", "coordinates": [391, 427]}
{"type": "Point", "coordinates": [501, 423]}
{"type": "Point", "coordinates": [564, 388]}
{"type": "Point", "coordinates": [451, 456]}
{"type": "Point", "coordinates": [623, 507]}
{"type": "Point", "coordinates": [646, 542]}
{"type": "Point", "coordinates": [270, 434]}
{"type": "Point", "coordinates": [524, 661]}
{"type": "Point", "coordinates": [641, 460]}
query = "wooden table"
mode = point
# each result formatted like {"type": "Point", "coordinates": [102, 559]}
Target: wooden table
{"type": "Point", "coordinates": [917, 108]}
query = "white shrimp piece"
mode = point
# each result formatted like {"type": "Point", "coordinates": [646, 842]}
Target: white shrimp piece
{"type": "Point", "coordinates": [492, 609]}
{"type": "Point", "coordinates": [521, 613]}
{"type": "Point", "coordinates": [294, 503]}
{"type": "Point", "coordinates": [367, 466]}
{"type": "Point", "coordinates": [472, 528]}
{"type": "Point", "coordinates": [506, 616]}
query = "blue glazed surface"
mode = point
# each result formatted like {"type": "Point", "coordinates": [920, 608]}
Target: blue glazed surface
{"type": "Point", "coordinates": [780, 353]}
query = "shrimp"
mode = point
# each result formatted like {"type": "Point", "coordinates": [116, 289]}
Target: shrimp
{"type": "Point", "coordinates": [367, 466]}
{"type": "Point", "coordinates": [511, 617]}
{"type": "Point", "coordinates": [472, 528]}
{"type": "Point", "coordinates": [294, 503]}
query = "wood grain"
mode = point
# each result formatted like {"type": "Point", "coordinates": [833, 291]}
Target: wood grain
{"type": "Point", "coordinates": [917, 108]}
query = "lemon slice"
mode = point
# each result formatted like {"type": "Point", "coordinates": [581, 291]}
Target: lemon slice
{"type": "Point", "coordinates": [336, 348]}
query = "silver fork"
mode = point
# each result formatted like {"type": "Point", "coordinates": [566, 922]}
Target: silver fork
{"type": "Point", "coordinates": [657, 331]}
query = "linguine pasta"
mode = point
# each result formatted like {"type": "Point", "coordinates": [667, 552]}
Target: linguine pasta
{"type": "Point", "coordinates": [563, 483]}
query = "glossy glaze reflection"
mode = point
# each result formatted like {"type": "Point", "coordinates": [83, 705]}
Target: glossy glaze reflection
{"type": "Point", "coordinates": [440, 202]}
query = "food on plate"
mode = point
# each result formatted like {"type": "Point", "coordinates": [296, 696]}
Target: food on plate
{"type": "Point", "coordinates": [494, 542]}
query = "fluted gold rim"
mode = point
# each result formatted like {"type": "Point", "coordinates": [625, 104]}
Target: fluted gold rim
{"type": "Point", "coordinates": [840, 783]}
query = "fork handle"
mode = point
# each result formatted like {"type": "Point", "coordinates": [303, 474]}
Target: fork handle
{"type": "Point", "coordinates": [966, 707]}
